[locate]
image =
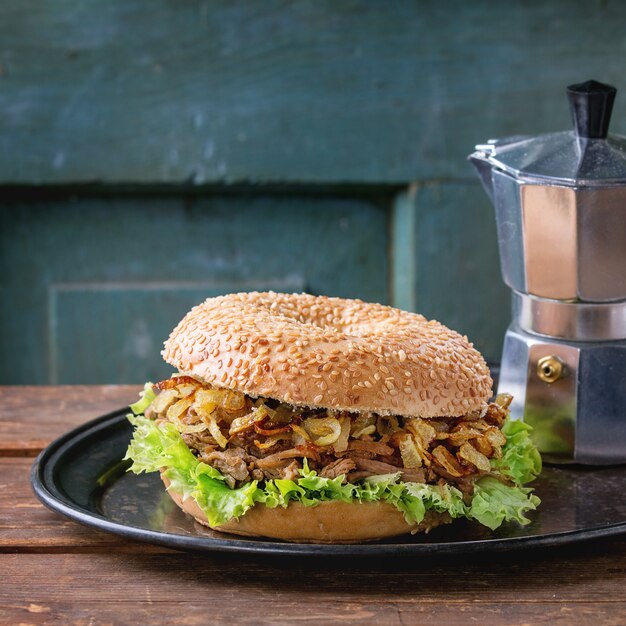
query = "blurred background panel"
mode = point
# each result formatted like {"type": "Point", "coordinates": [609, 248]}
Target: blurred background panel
{"type": "Point", "coordinates": [154, 153]}
{"type": "Point", "coordinates": [97, 283]}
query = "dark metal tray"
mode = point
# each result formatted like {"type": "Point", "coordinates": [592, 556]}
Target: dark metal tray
{"type": "Point", "coordinates": [81, 475]}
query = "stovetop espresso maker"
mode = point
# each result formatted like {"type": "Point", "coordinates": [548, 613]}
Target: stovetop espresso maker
{"type": "Point", "coordinates": [560, 202]}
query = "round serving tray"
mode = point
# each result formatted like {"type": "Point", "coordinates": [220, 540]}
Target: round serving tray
{"type": "Point", "coordinates": [82, 476]}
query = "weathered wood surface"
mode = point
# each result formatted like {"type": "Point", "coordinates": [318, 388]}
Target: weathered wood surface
{"type": "Point", "coordinates": [31, 417]}
{"type": "Point", "coordinates": [226, 589]}
{"type": "Point", "coordinates": [204, 92]}
{"type": "Point", "coordinates": [143, 612]}
{"type": "Point", "coordinates": [57, 572]}
{"type": "Point", "coordinates": [27, 525]}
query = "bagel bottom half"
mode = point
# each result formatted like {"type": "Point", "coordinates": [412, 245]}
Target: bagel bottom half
{"type": "Point", "coordinates": [328, 522]}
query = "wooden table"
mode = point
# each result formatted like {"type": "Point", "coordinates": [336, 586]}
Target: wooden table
{"type": "Point", "coordinates": [54, 571]}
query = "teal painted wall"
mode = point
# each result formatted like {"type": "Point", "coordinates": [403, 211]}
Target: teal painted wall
{"type": "Point", "coordinates": [96, 284]}
{"type": "Point", "coordinates": [155, 152]}
{"type": "Point", "coordinates": [445, 260]}
{"type": "Point", "coordinates": [206, 91]}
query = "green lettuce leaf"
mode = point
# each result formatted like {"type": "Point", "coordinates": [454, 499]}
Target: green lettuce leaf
{"type": "Point", "coordinates": [155, 447]}
{"type": "Point", "coordinates": [494, 502]}
{"type": "Point", "coordinates": [160, 447]}
{"type": "Point", "coordinates": [145, 399]}
{"type": "Point", "coordinates": [520, 460]}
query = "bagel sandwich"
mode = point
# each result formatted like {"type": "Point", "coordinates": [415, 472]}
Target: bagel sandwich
{"type": "Point", "coordinates": [319, 419]}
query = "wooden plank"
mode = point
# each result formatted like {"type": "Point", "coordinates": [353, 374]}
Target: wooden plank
{"type": "Point", "coordinates": [196, 93]}
{"type": "Point", "coordinates": [101, 281]}
{"type": "Point", "coordinates": [445, 261]}
{"type": "Point", "coordinates": [31, 417]}
{"type": "Point", "coordinates": [194, 612]}
{"type": "Point", "coordinates": [223, 589]}
{"type": "Point", "coordinates": [582, 582]}
{"type": "Point", "coordinates": [58, 572]}
{"type": "Point", "coordinates": [27, 525]}
{"type": "Point", "coordinates": [505, 581]}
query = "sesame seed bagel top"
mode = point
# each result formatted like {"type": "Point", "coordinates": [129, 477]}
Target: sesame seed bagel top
{"type": "Point", "coordinates": [332, 353]}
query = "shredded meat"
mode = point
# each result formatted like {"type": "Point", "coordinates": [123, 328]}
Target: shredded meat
{"type": "Point", "coordinates": [338, 468]}
{"type": "Point", "coordinates": [258, 474]}
{"type": "Point", "coordinates": [376, 467]}
{"type": "Point", "coordinates": [414, 475]}
{"type": "Point", "coordinates": [370, 447]}
{"type": "Point", "coordinates": [291, 472]}
{"type": "Point", "coordinates": [288, 470]}
{"type": "Point", "coordinates": [274, 460]}
{"type": "Point", "coordinates": [354, 477]}
{"type": "Point", "coordinates": [261, 439]}
{"type": "Point", "coordinates": [231, 462]}
{"type": "Point", "coordinates": [408, 475]}
{"type": "Point", "coordinates": [373, 468]}
{"type": "Point", "coordinates": [200, 441]}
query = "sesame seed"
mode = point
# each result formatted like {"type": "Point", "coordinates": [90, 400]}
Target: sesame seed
{"type": "Point", "coordinates": [341, 337]}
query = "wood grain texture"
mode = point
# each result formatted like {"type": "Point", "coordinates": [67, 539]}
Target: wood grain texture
{"type": "Point", "coordinates": [354, 612]}
{"type": "Point", "coordinates": [445, 261]}
{"type": "Point", "coordinates": [31, 417]}
{"type": "Point", "coordinates": [204, 92]}
{"type": "Point", "coordinates": [99, 282]}
{"type": "Point", "coordinates": [57, 572]}
{"type": "Point", "coordinates": [27, 525]}
{"type": "Point", "coordinates": [226, 589]}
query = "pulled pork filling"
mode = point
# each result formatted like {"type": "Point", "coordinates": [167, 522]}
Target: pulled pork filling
{"type": "Point", "coordinates": [259, 438]}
